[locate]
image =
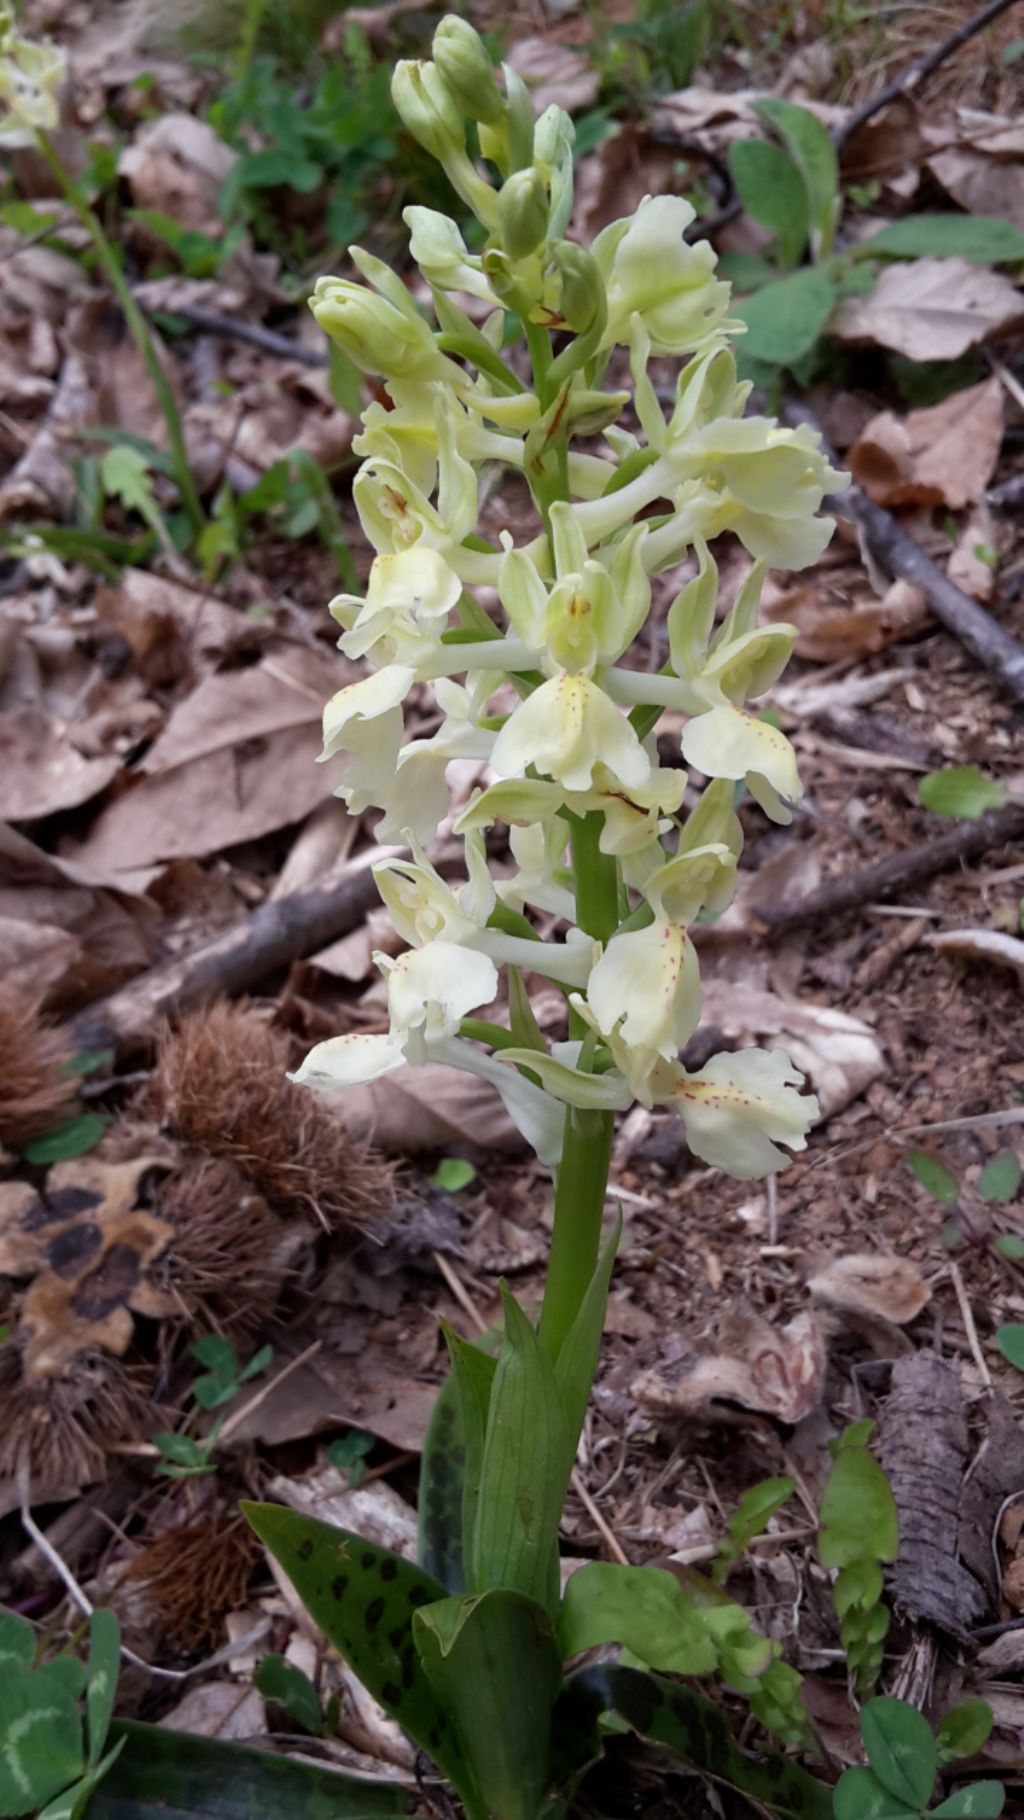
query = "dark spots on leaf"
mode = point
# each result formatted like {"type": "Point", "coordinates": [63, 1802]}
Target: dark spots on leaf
{"type": "Point", "coordinates": [390, 1694]}
{"type": "Point", "coordinates": [434, 1736]}
{"type": "Point", "coordinates": [643, 1703]}
{"type": "Point", "coordinates": [373, 1615]}
{"type": "Point", "coordinates": [388, 1568]}
{"type": "Point", "coordinates": [410, 1664]}
{"type": "Point", "coordinates": [305, 1550]}
{"type": "Point", "coordinates": [338, 1585]}
{"type": "Point", "coordinates": [398, 1636]}
{"type": "Point", "coordinates": [367, 1560]}
{"type": "Point", "coordinates": [418, 1595]}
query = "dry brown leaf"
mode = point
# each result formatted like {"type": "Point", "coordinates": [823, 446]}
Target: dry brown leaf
{"type": "Point", "coordinates": [556, 75]}
{"type": "Point", "coordinates": [931, 309]}
{"type": "Point", "coordinates": [168, 626]}
{"type": "Point", "coordinates": [42, 481]}
{"type": "Point", "coordinates": [41, 772]}
{"type": "Point", "coordinates": [177, 166]}
{"type": "Point", "coordinates": [764, 1370]}
{"type": "Point", "coordinates": [219, 1709]}
{"type": "Point", "coordinates": [983, 174]}
{"type": "Point", "coordinates": [971, 566]}
{"type": "Point", "coordinates": [840, 1055]}
{"type": "Point", "coordinates": [981, 945]}
{"type": "Point", "coordinates": [330, 1393]}
{"type": "Point", "coordinates": [828, 632]}
{"type": "Point", "coordinates": [944, 455]}
{"type": "Point", "coordinates": [375, 1511]}
{"type": "Point", "coordinates": [428, 1108]}
{"type": "Point", "coordinates": [890, 1288]}
{"type": "Point", "coordinates": [60, 936]}
{"type": "Point", "coordinates": [236, 760]}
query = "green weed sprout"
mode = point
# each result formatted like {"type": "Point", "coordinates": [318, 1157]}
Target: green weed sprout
{"type": "Point", "coordinates": [859, 1532]}
{"type": "Point", "coordinates": [467, 1649]}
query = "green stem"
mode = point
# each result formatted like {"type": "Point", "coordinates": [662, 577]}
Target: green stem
{"type": "Point", "coordinates": [586, 1152]}
{"type": "Point", "coordinates": [138, 327]}
{"type": "Point", "coordinates": [538, 342]}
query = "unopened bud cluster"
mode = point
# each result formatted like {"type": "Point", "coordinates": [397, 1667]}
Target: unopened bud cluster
{"type": "Point", "coordinates": [545, 702]}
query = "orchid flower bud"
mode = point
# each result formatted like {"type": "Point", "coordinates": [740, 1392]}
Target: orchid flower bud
{"type": "Point", "coordinates": [374, 334]}
{"type": "Point", "coordinates": [428, 109]}
{"type": "Point", "coordinates": [462, 59]}
{"type": "Point", "coordinates": [578, 294]}
{"type": "Point", "coordinates": [522, 213]}
{"type": "Point", "coordinates": [31, 73]}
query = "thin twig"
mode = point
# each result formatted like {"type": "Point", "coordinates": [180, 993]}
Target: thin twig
{"type": "Point", "coordinates": [902, 556]}
{"type": "Point", "coordinates": [235, 1420]}
{"type": "Point", "coordinates": [852, 890]}
{"type": "Point", "coordinates": [911, 78]}
{"type": "Point", "coordinates": [231, 328]}
{"type": "Point", "coordinates": [967, 1315]}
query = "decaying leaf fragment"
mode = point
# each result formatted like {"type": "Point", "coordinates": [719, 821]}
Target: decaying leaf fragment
{"type": "Point", "coordinates": [756, 1369]}
{"type": "Point", "coordinates": [878, 1287]}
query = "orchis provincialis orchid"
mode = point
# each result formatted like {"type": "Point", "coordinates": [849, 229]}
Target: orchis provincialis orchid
{"type": "Point", "coordinates": [544, 697]}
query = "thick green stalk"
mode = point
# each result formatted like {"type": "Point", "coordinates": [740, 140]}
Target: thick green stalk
{"type": "Point", "coordinates": [139, 329]}
{"type": "Point", "coordinates": [586, 1153]}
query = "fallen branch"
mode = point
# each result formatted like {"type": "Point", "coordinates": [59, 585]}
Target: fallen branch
{"type": "Point", "coordinates": [995, 649]}
{"type": "Point", "coordinates": [280, 932]}
{"type": "Point", "coordinates": [967, 841]}
{"type": "Point", "coordinates": [911, 78]}
{"type": "Point", "coordinates": [233, 328]}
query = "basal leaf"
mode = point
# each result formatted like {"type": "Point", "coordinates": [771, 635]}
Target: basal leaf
{"type": "Point", "coordinates": [71, 1805]}
{"type": "Point", "coordinates": [784, 320]}
{"type": "Point", "coordinates": [363, 1599]}
{"type": "Point", "coordinates": [771, 189]}
{"type": "Point", "coordinates": [934, 1177]}
{"type": "Point", "coordinates": [690, 1727]}
{"type": "Point", "coordinates": [1000, 1178]}
{"type": "Point", "coordinates": [472, 1380]}
{"type": "Point", "coordinates": [983, 238]}
{"type": "Point", "coordinates": [494, 1663]}
{"type": "Point", "coordinates": [901, 1749]}
{"type": "Point", "coordinates": [101, 1679]}
{"type": "Point", "coordinates": [40, 1741]}
{"type": "Point", "coordinates": [813, 153]}
{"type": "Point", "coordinates": [1010, 1341]}
{"type": "Point", "coordinates": [524, 1471]}
{"type": "Point", "coordinates": [166, 1775]}
{"type": "Point", "coordinates": [576, 1362]}
{"type": "Point", "coordinates": [287, 1686]}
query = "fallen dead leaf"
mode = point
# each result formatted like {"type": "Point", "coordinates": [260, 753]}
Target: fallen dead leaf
{"type": "Point", "coordinates": [831, 632]}
{"type": "Point", "coordinates": [981, 945]}
{"type": "Point", "coordinates": [890, 1288]}
{"type": "Point", "coordinates": [931, 309]}
{"type": "Point", "coordinates": [236, 760]}
{"type": "Point", "coordinates": [177, 167]}
{"type": "Point", "coordinates": [838, 1053]}
{"type": "Point", "coordinates": [944, 455]}
{"type": "Point", "coordinates": [219, 1709]}
{"type": "Point", "coordinates": [375, 1511]}
{"type": "Point", "coordinates": [971, 564]}
{"type": "Point", "coordinates": [764, 1370]}
{"type": "Point", "coordinates": [428, 1108]}
{"type": "Point", "coordinates": [41, 772]}
{"type": "Point", "coordinates": [555, 74]}
{"type": "Point", "coordinates": [330, 1393]}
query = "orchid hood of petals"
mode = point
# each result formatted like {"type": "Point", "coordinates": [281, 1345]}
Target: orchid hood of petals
{"type": "Point", "coordinates": [646, 990]}
{"type": "Point", "coordinates": [649, 270]}
{"type": "Point", "coordinates": [431, 989]}
{"type": "Point", "coordinates": [740, 1107]}
{"type": "Point", "coordinates": [349, 1061]}
{"type": "Point", "coordinates": [362, 701]}
{"type": "Point", "coordinates": [565, 728]}
{"type": "Point", "coordinates": [727, 743]}
{"type": "Point", "coordinates": [409, 598]}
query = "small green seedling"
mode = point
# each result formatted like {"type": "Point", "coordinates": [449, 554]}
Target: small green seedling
{"type": "Point", "coordinates": [348, 1454]}
{"type": "Point", "coordinates": [859, 1533]}
{"type": "Point", "coordinates": [963, 793]}
{"type": "Point", "coordinates": [54, 1719]}
{"type": "Point", "coordinates": [998, 1183]}
{"type": "Point", "coordinates": [286, 1686]}
{"type": "Point", "coordinates": [186, 1456]}
{"type": "Point", "coordinates": [452, 1174]}
{"type": "Point", "coordinates": [756, 1509]}
{"type": "Point", "coordinates": [905, 1757]}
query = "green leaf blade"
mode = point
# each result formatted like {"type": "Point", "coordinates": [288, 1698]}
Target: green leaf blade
{"type": "Point", "coordinates": [934, 1177]}
{"type": "Point", "coordinates": [962, 792]}
{"type": "Point", "coordinates": [984, 239]}
{"type": "Point", "coordinates": [901, 1749]}
{"type": "Point", "coordinates": [771, 189]}
{"type": "Point", "coordinates": [784, 320]}
{"type": "Point", "coordinates": [101, 1678]}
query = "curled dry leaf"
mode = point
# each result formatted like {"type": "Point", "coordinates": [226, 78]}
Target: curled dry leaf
{"type": "Point", "coordinates": [41, 482]}
{"type": "Point", "coordinates": [972, 564]}
{"type": "Point", "coordinates": [219, 1709]}
{"type": "Point", "coordinates": [981, 945]}
{"type": "Point", "coordinates": [177, 167]}
{"type": "Point", "coordinates": [889, 1288]}
{"type": "Point", "coordinates": [428, 1108]}
{"type": "Point", "coordinates": [375, 1511]}
{"type": "Point", "coordinates": [61, 938]}
{"type": "Point", "coordinates": [944, 455]}
{"type": "Point", "coordinates": [931, 309]}
{"type": "Point", "coordinates": [840, 1054]}
{"type": "Point", "coordinates": [830, 631]}
{"type": "Point", "coordinates": [757, 1369]}
{"type": "Point", "coordinates": [41, 771]}
{"type": "Point", "coordinates": [555, 74]}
